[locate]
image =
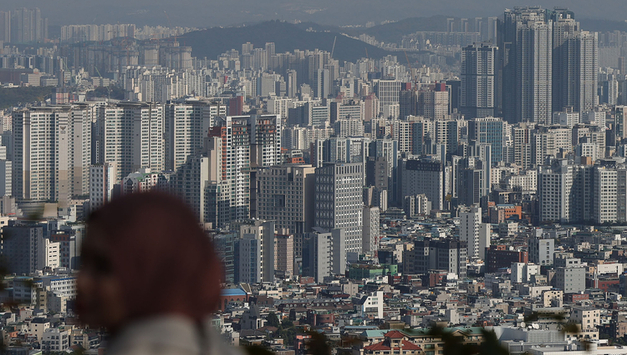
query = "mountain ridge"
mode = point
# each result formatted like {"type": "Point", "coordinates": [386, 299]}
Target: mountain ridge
{"type": "Point", "coordinates": [212, 42]}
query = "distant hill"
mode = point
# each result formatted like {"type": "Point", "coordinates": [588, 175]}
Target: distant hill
{"type": "Point", "coordinates": [10, 97]}
{"type": "Point", "coordinates": [214, 41]}
{"type": "Point", "coordinates": [391, 32]}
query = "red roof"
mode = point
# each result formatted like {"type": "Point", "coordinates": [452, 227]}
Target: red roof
{"type": "Point", "coordinates": [394, 334]}
{"type": "Point", "coordinates": [408, 345]}
{"type": "Point", "coordinates": [377, 346]}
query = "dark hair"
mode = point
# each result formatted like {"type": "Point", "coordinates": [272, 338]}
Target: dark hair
{"type": "Point", "coordinates": [159, 252]}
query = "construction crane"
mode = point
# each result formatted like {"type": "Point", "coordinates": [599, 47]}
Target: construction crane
{"type": "Point", "coordinates": [333, 48]}
{"type": "Point", "coordinates": [170, 25]}
{"type": "Point", "coordinates": [101, 80]}
{"type": "Point", "coordinates": [368, 58]}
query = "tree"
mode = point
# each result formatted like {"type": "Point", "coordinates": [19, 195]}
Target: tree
{"type": "Point", "coordinates": [273, 320]}
{"type": "Point", "coordinates": [287, 332]}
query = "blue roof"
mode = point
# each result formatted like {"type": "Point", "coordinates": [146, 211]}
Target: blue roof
{"type": "Point", "coordinates": [233, 292]}
{"type": "Point", "coordinates": [375, 333]}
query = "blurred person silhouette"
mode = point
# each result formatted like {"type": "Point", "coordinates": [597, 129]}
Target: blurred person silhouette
{"type": "Point", "coordinates": [150, 276]}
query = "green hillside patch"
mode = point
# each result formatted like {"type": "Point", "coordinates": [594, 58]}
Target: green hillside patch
{"type": "Point", "coordinates": [10, 97]}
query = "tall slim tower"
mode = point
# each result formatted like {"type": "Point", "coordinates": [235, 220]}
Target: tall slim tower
{"type": "Point", "coordinates": [587, 44]}
{"type": "Point", "coordinates": [5, 26]}
{"type": "Point", "coordinates": [526, 59]}
{"type": "Point", "coordinates": [478, 80]}
{"type": "Point", "coordinates": [575, 64]}
{"type": "Point", "coordinates": [565, 29]}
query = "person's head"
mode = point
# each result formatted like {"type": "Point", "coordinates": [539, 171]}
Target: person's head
{"type": "Point", "coordinates": [144, 255]}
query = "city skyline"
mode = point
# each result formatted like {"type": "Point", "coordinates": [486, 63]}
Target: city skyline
{"type": "Point", "coordinates": [379, 183]}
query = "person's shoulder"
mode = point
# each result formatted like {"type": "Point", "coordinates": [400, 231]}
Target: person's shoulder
{"type": "Point", "coordinates": [152, 348]}
{"type": "Point", "coordinates": [159, 336]}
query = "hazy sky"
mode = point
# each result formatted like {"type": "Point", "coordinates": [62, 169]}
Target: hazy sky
{"type": "Point", "coordinates": [208, 13]}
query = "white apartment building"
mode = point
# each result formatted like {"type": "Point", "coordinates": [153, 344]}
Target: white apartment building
{"type": "Point", "coordinates": [52, 153]}
{"type": "Point", "coordinates": [133, 137]}
{"type": "Point", "coordinates": [102, 179]}
{"type": "Point", "coordinates": [186, 125]}
{"type": "Point", "coordinates": [605, 195]}
{"type": "Point", "coordinates": [474, 233]}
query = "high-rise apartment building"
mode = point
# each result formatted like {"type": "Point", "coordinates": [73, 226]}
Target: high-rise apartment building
{"type": "Point", "coordinates": [388, 92]}
{"type": "Point", "coordinates": [370, 231]}
{"type": "Point", "coordinates": [565, 192]}
{"type": "Point", "coordinates": [24, 248]}
{"type": "Point", "coordinates": [521, 139]}
{"type": "Point", "coordinates": [187, 123]}
{"type": "Point", "coordinates": [424, 177]}
{"type": "Point", "coordinates": [575, 64]}
{"type": "Point", "coordinates": [548, 64]}
{"type": "Point", "coordinates": [225, 245]}
{"type": "Point", "coordinates": [555, 184]}
{"type": "Point", "coordinates": [550, 141]}
{"type": "Point", "coordinates": [478, 80]}
{"type": "Point", "coordinates": [605, 195]}
{"type": "Point", "coordinates": [416, 205]}
{"type": "Point", "coordinates": [433, 102]}
{"type": "Point", "coordinates": [285, 195]}
{"type": "Point", "coordinates": [408, 103]}
{"type": "Point", "coordinates": [565, 63]}
{"type": "Point", "coordinates": [248, 141]}
{"type": "Point", "coordinates": [200, 183]}
{"type": "Point", "coordinates": [132, 136]}
{"type": "Point", "coordinates": [324, 253]}
{"type": "Point", "coordinates": [526, 48]}
{"type": "Point", "coordinates": [256, 252]}
{"type": "Point", "coordinates": [101, 184]}
{"type": "Point", "coordinates": [339, 202]}
{"type": "Point", "coordinates": [322, 83]}
{"type": "Point", "coordinates": [474, 233]}
{"type": "Point", "coordinates": [620, 119]}
{"type": "Point", "coordinates": [488, 130]}
{"type": "Point", "coordinates": [5, 26]}
{"type": "Point", "coordinates": [284, 255]}
{"type": "Point", "coordinates": [28, 26]}
{"type": "Point", "coordinates": [6, 173]}
{"type": "Point", "coordinates": [51, 152]}
{"type": "Point", "coordinates": [473, 179]}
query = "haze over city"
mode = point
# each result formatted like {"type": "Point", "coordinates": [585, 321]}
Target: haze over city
{"type": "Point", "coordinates": [202, 14]}
{"type": "Point", "coordinates": [351, 177]}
